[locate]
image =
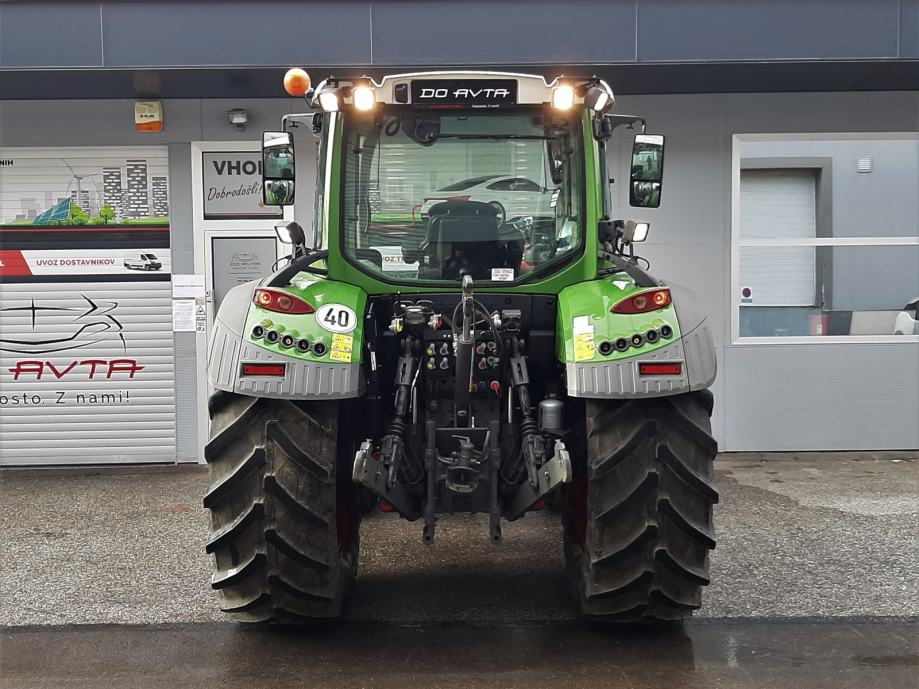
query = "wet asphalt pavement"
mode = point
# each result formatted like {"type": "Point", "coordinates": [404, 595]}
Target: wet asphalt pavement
{"type": "Point", "coordinates": [815, 583]}
{"type": "Point", "coordinates": [755, 655]}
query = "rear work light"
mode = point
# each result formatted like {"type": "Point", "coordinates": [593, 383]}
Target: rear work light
{"type": "Point", "coordinates": [660, 369]}
{"type": "Point", "coordinates": [264, 369]}
{"type": "Point", "coordinates": [280, 302]}
{"type": "Point", "coordinates": [644, 302]}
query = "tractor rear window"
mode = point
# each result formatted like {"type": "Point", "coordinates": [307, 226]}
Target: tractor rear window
{"type": "Point", "coordinates": [431, 196]}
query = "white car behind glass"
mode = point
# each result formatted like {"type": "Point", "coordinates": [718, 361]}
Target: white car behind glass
{"type": "Point", "coordinates": [907, 322]}
{"type": "Point", "coordinates": [512, 196]}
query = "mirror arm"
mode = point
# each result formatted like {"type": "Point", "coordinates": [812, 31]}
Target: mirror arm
{"type": "Point", "coordinates": [642, 279]}
{"type": "Point", "coordinates": [602, 133]}
{"type": "Point", "coordinates": [289, 121]}
{"type": "Point", "coordinates": [283, 277]}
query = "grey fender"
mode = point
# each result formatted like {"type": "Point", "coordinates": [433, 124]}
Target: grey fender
{"type": "Point", "coordinates": [621, 379]}
{"type": "Point", "coordinates": [235, 307]}
{"type": "Point", "coordinates": [698, 346]}
{"type": "Point", "coordinates": [228, 349]}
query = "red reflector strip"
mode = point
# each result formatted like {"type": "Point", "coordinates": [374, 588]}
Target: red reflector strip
{"type": "Point", "coordinates": [660, 369]}
{"type": "Point", "coordinates": [264, 369]}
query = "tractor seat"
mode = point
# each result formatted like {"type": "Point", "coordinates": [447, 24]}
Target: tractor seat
{"type": "Point", "coordinates": [462, 238]}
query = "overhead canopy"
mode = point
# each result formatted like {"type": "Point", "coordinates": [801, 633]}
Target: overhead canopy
{"type": "Point", "coordinates": [201, 48]}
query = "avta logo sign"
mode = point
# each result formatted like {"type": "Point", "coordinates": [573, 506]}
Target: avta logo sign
{"type": "Point", "coordinates": [465, 94]}
{"type": "Point", "coordinates": [87, 369]}
{"type": "Point", "coordinates": [468, 93]}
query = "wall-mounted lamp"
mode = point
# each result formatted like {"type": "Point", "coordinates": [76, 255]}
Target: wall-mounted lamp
{"type": "Point", "coordinates": [238, 117]}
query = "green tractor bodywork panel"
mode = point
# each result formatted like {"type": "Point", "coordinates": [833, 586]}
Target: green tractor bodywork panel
{"type": "Point", "coordinates": [586, 321]}
{"type": "Point", "coordinates": [332, 374]}
{"type": "Point", "coordinates": [340, 341]}
{"type": "Point", "coordinates": [588, 332]}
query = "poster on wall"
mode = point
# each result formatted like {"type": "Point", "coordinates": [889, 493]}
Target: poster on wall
{"type": "Point", "coordinates": [233, 186]}
{"type": "Point", "coordinates": [86, 343]}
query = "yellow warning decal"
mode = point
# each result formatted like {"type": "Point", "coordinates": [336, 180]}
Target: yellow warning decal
{"type": "Point", "coordinates": [342, 343]}
{"type": "Point", "coordinates": [583, 332]}
{"type": "Point", "coordinates": [335, 355]}
{"type": "Point", "coordinates": [584, 349]}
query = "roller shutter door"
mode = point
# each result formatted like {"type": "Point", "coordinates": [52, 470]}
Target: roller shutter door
{"type": "Point", "coordinates": [86, 373]}
{"type": "Point", "coordinates": [778, 205]}
{"type": "Point", "coordinates": [86, 341]}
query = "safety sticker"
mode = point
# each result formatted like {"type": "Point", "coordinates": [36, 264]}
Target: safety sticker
{"type": "Point", "coordinates": [342, 342]}
{"type": "Point", "coordinates": [341, 348]}
{"type": "Point", "coordinates": [336, 318]}
{"type": "Point", "coordinates": [583, 331]}
{"type": "Point", "coordinates": [584, 349]}
{"type": "Point", "coordinates": [502, 274]}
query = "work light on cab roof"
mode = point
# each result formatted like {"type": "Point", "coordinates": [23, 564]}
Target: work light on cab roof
{"type": "Point", "coordinates": [441, 90]}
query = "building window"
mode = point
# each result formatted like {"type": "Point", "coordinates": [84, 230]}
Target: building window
{"type": "Point", "coordinates": [823, 245]}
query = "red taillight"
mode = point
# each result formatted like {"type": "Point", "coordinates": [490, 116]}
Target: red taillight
{"type": "Point", "coordinates": [280, 301]}
{"type": "Point", "coordinates": [644, 302]}
{"type": "Point", "coordinates": [264, 369]}
{"type": "Point", "coordinates": [660, 369]}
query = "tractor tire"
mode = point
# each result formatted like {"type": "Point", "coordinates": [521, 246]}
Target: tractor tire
{"type": "Point", "coordinates": [638, 519]}
{"type": "Point", "coordinates": [284, 514]}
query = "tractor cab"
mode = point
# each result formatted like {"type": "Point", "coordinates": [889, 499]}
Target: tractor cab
{"type": "Point", "coordinates": [434, 176]}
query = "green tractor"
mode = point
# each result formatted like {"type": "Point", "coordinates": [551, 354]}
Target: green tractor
{"type": "Point", "coordinates": [464, 329]}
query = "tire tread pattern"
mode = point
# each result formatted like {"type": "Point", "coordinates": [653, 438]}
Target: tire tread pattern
{"type": "Point", "coordinates": [649, 498]}
{"type": "Point", "coordinates": [272, 501]}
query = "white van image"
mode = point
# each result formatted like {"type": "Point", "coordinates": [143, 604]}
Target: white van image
{"type": "Point", "coordinates": [141, 261]}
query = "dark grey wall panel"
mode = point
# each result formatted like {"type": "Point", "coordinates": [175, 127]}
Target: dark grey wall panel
{"type": "Point", "coordinates": [235, 33]}
{"type": "Point", "coordinates": [517, 31]}
{"type": "Point", "coordinates": [360, 34]}
{"type": "Point", "coordinates": [183, 263]}
{"type": "Point", "coordinates": [909, 29]}
{"type": "Point", "coordinates": [780, 29]}
{"type": "Point", "coordinates": [50, 34]}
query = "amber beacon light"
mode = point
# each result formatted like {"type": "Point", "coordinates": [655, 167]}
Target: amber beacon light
{"type": "Point", "coordinates": [296, 82]}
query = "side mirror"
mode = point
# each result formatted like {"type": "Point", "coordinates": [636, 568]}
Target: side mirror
{"type": "Point", "coordinates": [647, 171]}
{"type": "Point", "coordinates": [278, 172]}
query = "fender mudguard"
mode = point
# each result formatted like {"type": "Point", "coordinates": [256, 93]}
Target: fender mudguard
{"type": "Point", "coordinates": [589, 332]}
{"type": "Point", "coordinates": [329, 369]}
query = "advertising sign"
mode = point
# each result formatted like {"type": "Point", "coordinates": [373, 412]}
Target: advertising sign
{"type": "Point", "coordinates": [86, 344]}
{"type": "Point", "coordinates": [233, 186]}
{"type": "Point", "coordinates": [474, 93]}
{"type": "Point", "coordinates": [21, 262]}
{"type": "Point", "coordinates": [240, 259]}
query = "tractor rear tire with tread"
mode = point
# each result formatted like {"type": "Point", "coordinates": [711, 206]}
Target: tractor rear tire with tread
{"type": "Point", "coordinates": [284, 518]}
{"type": "Point", "coordinates": [638, 521]}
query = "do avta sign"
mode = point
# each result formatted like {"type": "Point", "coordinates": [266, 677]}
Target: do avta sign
{"type": "Point", "coordinates": [233, 186]}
